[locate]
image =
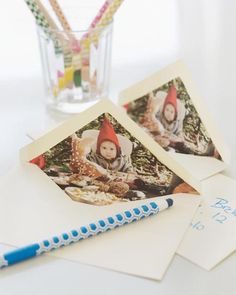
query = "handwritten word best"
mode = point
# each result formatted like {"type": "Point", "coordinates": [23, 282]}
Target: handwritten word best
{"type": "Point", "coordinates": [225, 211]}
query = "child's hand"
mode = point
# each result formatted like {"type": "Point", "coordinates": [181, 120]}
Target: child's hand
{"type": "Point", "coordinates": [175, 139]}
{"type": "Point", "coordinates": [104, 178]}
{"type": "Point", "coordinates": [163, 141]}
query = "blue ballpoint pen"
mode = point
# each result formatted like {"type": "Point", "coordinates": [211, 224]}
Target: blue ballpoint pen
{"type": "Point", "coordinates": [84, 232]}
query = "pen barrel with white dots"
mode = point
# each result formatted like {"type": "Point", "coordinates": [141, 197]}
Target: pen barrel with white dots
{"type": "Point", "coordinates": [84, 232]}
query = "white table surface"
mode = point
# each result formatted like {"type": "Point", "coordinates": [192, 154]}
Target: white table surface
{"type": "Point", "coordinates": [203, 33]}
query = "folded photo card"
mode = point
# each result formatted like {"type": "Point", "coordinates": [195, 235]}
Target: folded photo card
{"type": "Point", "coordinates": [168, 107]}
{"type": "Point", "coordinates": [103, 162]}
{"type": "Point", "coordinates": [96, 164]}
{"type": "Point", "coordinates": [212, 234]}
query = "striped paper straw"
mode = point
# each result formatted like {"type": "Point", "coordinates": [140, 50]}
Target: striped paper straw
{"type": "Point", "coordinates": [67, 52]}
{"type": "Point", "coordinates": [39, 17]}
{"type": "Point", "coordinates": [98, 17]}
{"type": "Point", "coordinates": [61, 17]}
{"type": "Point", "coordinates": [103, 22]}
{"type": "Point", "coordinates": [54, 27]}
{"type": "Point", "coordinates": [85, 38]}
{"type": "Point", "coordinates": [63, 21]}
{"type": "Point", "coordinates": [103, 18]}
{"type": "Point", "coordinates": [44, 11]}
{"type": "Point", "coordinates": [43, 23]}
{"type": "Point", "coordinates": [109, 13]}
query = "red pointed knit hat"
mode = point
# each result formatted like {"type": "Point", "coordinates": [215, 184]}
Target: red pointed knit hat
{"type": "Point", "coordinates": [107, 132]}
{"type": "Point", "coordinates": [39, 161]}
{"type": "Point", "coordinates": [171, 98]}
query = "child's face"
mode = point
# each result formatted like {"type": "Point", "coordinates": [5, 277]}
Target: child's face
{"type": "Point", "coordinates": [108, 150]}
{"type": "Point", "coordinates": [169, 112]}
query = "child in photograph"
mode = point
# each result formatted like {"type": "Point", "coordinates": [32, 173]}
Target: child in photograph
{"type": "Point", "coordinates": [109, 153]}
{"type": "Point", "coordinates": [164, 119]}
{"type": "Point", "coordinates": [98, 152]}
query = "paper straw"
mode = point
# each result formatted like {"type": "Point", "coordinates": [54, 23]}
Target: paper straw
{"type": "Point", "coordinates": [61, 17]}
{"type": "Point", "coordinates": [84, 232]}
{"type": "Point", "coordinates": [53, 26]}
{"type": "Point", "coordinates": [77, 70]}
{"type": "Point", "coordinates": [44, 11]}
{"type": "Point", "coordinates": [102, 19]}
{"type": "Point", "coordinates": [93, 24]}
{"type": "Point", "coordinates": [67, 52]}
{"type": "Point", "coordinates": [63, 21]}
{"type": "Point", "coordinates": [39, 17]}
{"type": "Point", "coordinates": [43, 23]}
{"type": "Point", "coordinates": [82, 76]}
{"type": "Point", "coordinates": [98, 17]}
{"type": "Point", "coordinates": [103, 22]}
{"type": "Point", "coordinates": [108, 15]}
{"type": "Point", "coordinates": [62, 45]}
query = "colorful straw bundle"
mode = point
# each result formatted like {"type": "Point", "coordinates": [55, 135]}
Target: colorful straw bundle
{"type": "Point", "coordinates": [76, 52]}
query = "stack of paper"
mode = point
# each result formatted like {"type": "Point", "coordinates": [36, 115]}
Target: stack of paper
{"type": "Point", "coordinates": [108, 159]}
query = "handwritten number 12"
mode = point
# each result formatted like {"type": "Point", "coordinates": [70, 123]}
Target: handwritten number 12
{"type": "Point", "coordinates": [220, 218]}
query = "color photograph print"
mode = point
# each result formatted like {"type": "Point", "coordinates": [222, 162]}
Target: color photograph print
{"type": "Point", "coordinates": [102, 163]}
{"type": "Point", "coordinates": [169, 116]}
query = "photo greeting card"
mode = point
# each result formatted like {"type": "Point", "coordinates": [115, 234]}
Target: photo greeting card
{"type": "Point", "coordinates": [96, 164]}
{"type": "Point", "coordinates": [168, 107]}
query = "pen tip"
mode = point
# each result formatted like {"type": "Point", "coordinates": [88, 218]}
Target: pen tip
{"type": "Point", "coordinates": [169, 202]}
